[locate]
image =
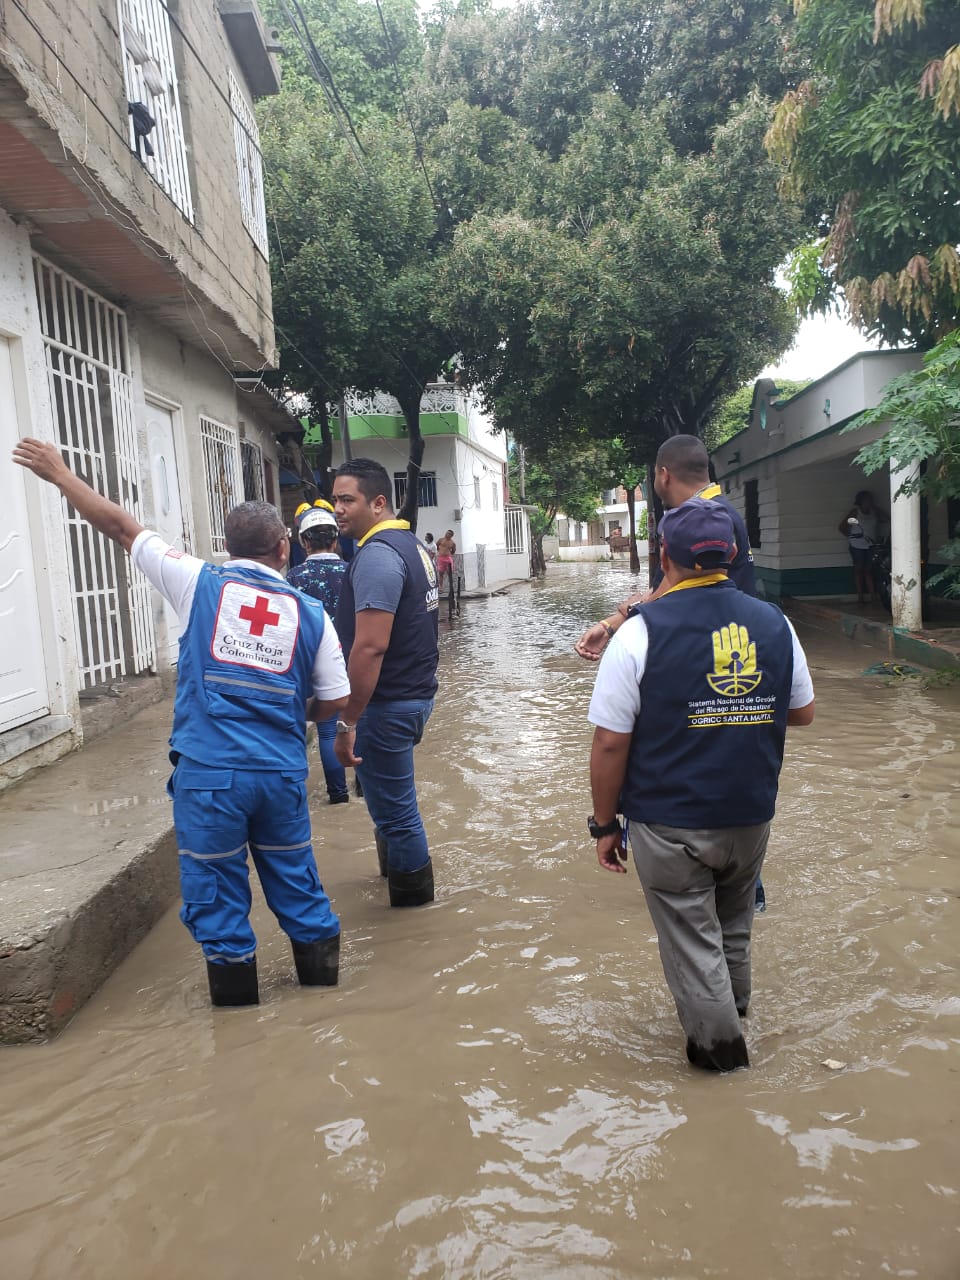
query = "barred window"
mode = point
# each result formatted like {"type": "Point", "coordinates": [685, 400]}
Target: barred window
{"type": "Point", "coordinates": [246, 136]}
{"type": "Point", "coordinates": [428, 489]}
{"type": "Point", "coordinates": [224, 477]}
{"type": "Point", "coordinates": [251, 458]}
{"type": "Point", "coordinates": [150, 77]}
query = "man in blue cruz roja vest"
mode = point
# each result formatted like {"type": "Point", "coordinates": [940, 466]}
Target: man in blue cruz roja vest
{"type": "Point", "coordinates": [691, 706]}
{"type": "Point", "coordinates": [257, 658]}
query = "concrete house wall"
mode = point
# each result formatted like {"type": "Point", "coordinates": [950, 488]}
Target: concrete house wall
{"type": "Point", "coordinates": [802, 470]}
{"type": "Point", "coordinates": [179, 260]}
{"type": "Point", "coordinates": [468, 459]}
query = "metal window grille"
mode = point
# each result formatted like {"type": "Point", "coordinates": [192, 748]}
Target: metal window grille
{"type": "Point", "coordinates": [251, 459]}
{"type": "Point", "coordinates": [476, 491]}
{"type": "Point", "coordinates": [150, 75]}
{"type": "Point", "coordinates": [249, 167]}
{"type": "Point", "coordinates": [428, 489]}
{"type": "Point", "coordinates": [496, 495]}
{"type": "Point", "coordinates": [91, 393]}
{"type": "Point", "coordinates": [224, 476]}
{"type": "Point", "coordinates": [514, 530]}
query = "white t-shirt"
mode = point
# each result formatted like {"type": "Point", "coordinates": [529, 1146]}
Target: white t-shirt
{"type": "Point", "coordinates": [175, 574]}
{"type": "Point", "coordinates": [615, 704]}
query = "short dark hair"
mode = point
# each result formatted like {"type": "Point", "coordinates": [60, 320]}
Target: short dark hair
{"type": "Point", "coordinates": [372, 478]}
{"type": "Point", "coordinates": [253, 529]}
{"type": "Point", "coordinates": [321, 535]}
{"type": "Point", "coordinates": [686, 457]}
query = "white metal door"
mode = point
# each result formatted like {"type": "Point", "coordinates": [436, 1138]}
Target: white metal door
{"type": "Point", "coordinates": [168, 510]}
{"type": "Point", "coordinates": [23, 682]}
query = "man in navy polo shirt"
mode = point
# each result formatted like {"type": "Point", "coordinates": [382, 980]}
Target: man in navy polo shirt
{"type": "Point", "coordinates": [691, 706]}
{"type": "Point", "coordinates": [387, 621]}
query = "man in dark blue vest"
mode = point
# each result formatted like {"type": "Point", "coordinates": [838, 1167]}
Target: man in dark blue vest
{"type": "Point", "coordinates": [681, 472]}
{"type": "Point", "coordinates": [256, 659]}
{"type": "Point", "coordinates": [691, 706]}
{"type": "Point", "coordinates": [387, 622]}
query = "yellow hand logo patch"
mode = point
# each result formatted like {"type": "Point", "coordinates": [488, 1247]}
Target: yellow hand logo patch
{"type": "Point", "coordinates": [734, 662]}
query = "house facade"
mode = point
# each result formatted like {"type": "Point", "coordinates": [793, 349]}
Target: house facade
{"type": "Point", "coordinates": [135, 316]}
{"type": "Point", "coordinates": [792, 474]}
{"type": "Point", "coordinates": [463, 479]}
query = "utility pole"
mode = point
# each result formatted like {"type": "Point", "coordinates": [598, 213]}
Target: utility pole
{"type": "Point", "coordinates": [344, 430]}
{"type": "Point", "coordinates": [523, 479]}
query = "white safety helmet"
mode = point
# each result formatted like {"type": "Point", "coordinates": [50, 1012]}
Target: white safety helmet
{"type": "Point", "coordinates": [317, 518]}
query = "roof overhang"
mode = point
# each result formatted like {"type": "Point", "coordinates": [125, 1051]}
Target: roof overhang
{"type": "Point", "coordinates": [253, 46]}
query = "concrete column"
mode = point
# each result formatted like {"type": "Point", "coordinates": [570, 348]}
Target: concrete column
{"type": "Point", "coordinates": [905, 594]}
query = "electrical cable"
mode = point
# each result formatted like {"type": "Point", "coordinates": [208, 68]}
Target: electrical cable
{"type": "Point", "coordinates": [406, 110]}
{"type": "Point", "coordinates": [163, 256]}
{"type": "Point", "coordinates": [315, 63]}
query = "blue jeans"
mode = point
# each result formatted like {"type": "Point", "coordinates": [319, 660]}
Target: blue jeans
{"type": "Point", "coordinates": [387, 733]}
{"type": "Point", "coordinates": [218, 813]}
{"type": "Point", "coordinates": [333, 771]}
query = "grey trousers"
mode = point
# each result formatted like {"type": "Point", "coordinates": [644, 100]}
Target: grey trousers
{"type": "Point", "coordinates": [699, 887]}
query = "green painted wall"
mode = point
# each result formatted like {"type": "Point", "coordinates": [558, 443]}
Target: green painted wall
{"type": "Point", "coordinates": [835, 580]}
{"type": "Point", "coordinates": [391, 426]}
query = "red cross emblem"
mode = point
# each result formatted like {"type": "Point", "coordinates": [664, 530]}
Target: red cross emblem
{"type": "Point", "coordinates": [259, 616]}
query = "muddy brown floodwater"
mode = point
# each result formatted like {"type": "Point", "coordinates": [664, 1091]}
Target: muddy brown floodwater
{"type": "Point", "coordinates": [498, 1088]}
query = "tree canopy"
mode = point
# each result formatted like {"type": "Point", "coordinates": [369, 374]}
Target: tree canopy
{"type": "Point", "coordinates": [573, 194]}
{"type": "Point", "coordinates": [869, 136]}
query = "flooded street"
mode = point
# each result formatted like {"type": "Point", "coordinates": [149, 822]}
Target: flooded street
{"type": "Point", "coordinates": [498, 1086]}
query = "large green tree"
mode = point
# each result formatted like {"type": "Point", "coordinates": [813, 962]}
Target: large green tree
{"type": "Point", "coordinates": [869, 137]}
{"type": "Point", "coordinates": [635, 291]}
{"type": "Point", "coordinates": [567, 480]}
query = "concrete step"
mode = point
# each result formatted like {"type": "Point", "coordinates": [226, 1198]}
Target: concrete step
{"type": "Point", "coordinates": [87, 866]}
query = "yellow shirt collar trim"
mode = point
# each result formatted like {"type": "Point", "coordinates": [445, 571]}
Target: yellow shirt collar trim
{"type": "Point", "coordinates": [708, 580]}
{"type": "Point", "coordinates": [384, 524]}
{"type": "Point", "coordinates": [708, 491]}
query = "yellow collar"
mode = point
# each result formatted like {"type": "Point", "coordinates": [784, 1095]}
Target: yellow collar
{"type": "Point", "coordinates": [708, 580]}
{"type": "Point", "coordinates": [384, 524]}
{"type": "Point", "coordinates": [708, 491]}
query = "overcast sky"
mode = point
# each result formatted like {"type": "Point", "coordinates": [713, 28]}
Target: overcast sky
{"type": "Point", "coordinates": [822, 343]}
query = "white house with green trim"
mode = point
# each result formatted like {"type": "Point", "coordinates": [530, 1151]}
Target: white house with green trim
{"type": "Point", "coordinates": [463, 481]}
{"type": "Point", "coordinates": [791, 474]}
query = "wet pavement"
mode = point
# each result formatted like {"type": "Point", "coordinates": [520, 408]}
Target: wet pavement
{"type": "Point", "coordinates": [497, 1088]}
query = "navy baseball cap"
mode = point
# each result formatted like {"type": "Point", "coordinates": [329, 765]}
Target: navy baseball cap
{"type": "Point", "coordinates": [698, 534]}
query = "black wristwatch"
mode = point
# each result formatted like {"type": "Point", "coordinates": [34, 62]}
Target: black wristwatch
{"type": "Point", "coordinates": [607, 829]}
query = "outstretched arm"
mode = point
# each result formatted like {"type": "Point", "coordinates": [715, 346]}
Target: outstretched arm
{"type": "Point", "coordinates": [596, 637]}
{"type": "Point", "coordinates": [44, 460]}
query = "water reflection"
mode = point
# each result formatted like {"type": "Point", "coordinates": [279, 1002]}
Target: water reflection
{"type": "Point", "coordinates": [497, 1088]}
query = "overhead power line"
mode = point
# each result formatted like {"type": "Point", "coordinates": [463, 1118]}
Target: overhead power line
{"type": "Point", "coordinates": [324, 78]}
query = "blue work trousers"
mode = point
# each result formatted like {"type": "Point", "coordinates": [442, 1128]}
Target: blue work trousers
{"type": "Point", "coordinates": [220, 813]}
{"type": "Point", "coordinates": [333, 771]}
{"type": "Point", "coordinates": [387, 733]}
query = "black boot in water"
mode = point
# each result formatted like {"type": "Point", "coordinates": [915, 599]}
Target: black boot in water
{"type": "Point", "coordinates": [411, 888]}
{"type": "Point", "coordinates": [233, 985]}
{"type": "Point", "coordinates": [318, 963]}
{"type": "Point", "coordinates": [381, 852]}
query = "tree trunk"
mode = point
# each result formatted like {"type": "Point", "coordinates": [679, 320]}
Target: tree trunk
{"type": "Point", "coordinates": [410, 404]}
{"type": "Point", "coordinates": [654, 513]}
{"type": "Point", "coordinates": [324, 450]}
{"type": "Point", "coordinates": [537, 558]}
{"type": "Point", "coordinates": [632, 520]}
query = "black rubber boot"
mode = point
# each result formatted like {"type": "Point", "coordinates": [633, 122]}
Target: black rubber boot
{"type": "Point", "coordinates": [318, 963]}
{"type": "Point", "coordinates": [233, 985]}
{"type": "Point", "coordinates": [411, 888]}
{"type": "Point", "coordinates": [381, 852]}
